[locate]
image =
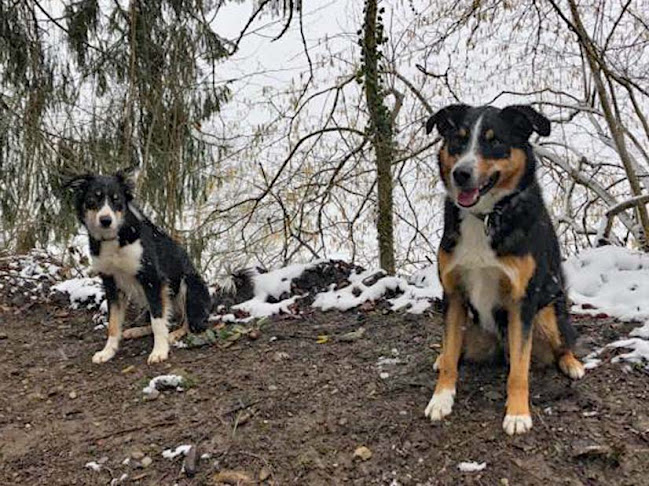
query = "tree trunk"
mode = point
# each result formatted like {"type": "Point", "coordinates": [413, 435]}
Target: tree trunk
{"type": "Point", "coordinates": [614, 123]}
{"type": "Point", "coordinates": [381, 135]}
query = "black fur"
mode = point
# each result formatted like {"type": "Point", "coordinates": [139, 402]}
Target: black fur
{"type": "Point", "coordinates": [163, 262]}
{"type": "Point", "coordinates": [519, 223]}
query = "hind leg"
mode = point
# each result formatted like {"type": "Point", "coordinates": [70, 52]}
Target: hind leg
{"type": "Point", "coordinates": [179, 333]}
{"type": "Point", "coordinates": [547, 326]}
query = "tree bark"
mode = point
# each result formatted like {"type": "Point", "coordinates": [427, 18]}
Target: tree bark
{"type": "Point", "coordinates": [596, 63]}
{"type": "Point", "coordinates": [381, 135]}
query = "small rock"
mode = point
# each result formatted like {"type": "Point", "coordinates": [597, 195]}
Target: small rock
{"type": "Point", "coordinates": [146, 461]}
{"type": "Point", "coordinates": [72, 394]}
{"type": "Point", "coordinates": [342, 422]}
{"type": "Point", "coordinates": [281, 356]}
{"type": "Point", "coordinates": [363, 453]}
{"type": "Point", "coordinates": [191, 462]}
{"type": "Point", "coordinates": [152, 395]}
{"type": "Point", "coordinates": [3, 336]}
{"type": "Point", "coordinates": [137, 455]}
{"type": "Point", "coordinates": [254, 334]}
{"type": "Point", "coordinates": [264, 474]}
{"type": "Point", "coordinates": [272, 388]}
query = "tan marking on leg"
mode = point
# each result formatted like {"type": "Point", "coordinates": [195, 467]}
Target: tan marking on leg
{"type": "Point", "coordinates": [547, 338]}
{"type": "Point", "coordinates": [441, 403]}
{"type": "Point", "coordinates": [517, 418]}
{"type": "Point", "coordinates": [571, 366]}
{"type": "Point", "coordinates": [179, 333]}
{"type": "Point", "coordinates": [137, 332]}
{"type": "Point", "coordinates": [518, 273]}
{"type": "Point", "coordinates": [548, 329]}
{"type": "Point", "coordinates": [447, 276]}
{"type": "Point", "coordinates": [115, 321]}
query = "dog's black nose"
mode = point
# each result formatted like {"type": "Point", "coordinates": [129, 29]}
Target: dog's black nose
{"type": "Point", "coordinates": [461, 175]}
{"type": "Point", "coordinates": [105, 221]}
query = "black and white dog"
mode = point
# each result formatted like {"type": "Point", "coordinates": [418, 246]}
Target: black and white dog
{"type": "Point", "coordinates": [139, 262]}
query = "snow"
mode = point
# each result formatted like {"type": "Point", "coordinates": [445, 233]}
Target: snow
{"type": "Point", "coordinates": [415, 296]}
{"type": "Point", "coordinates": [639, 353]}
{"type": "Point", "coordinates": [614, 281]}
{"type": "Point", "coordinates": [93, 465]}
{"type": "Point", "coordinates": [258, 308]}
{"type": "Point", "coordinates": [82, 291]}
{"type": "Point", "coordinates": [416, 292]}
{"type": "Point", "coordinates": [471, 466]}
{"type": "Point", "coordinates": [611, 280]}
{"type": "Point", "coordinates": [181, 449]}
{"type": "Point", "coordinates": [164, 381]}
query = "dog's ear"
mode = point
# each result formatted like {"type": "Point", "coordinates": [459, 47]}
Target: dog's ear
{"type": "Point", "coordinates": [77, 184]}
{"type": "Point", "coordinates": [526, 120]}
{"type": "Point", "coordinates": [128, 178]}
{"type": "Point", "coordinates": [447, 118]}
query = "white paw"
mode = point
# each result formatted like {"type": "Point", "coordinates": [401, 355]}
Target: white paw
{"type": "Point", "coordinates": [159, 353]}
{"type": "Point", "coordinates": [104, 355]}
{"type": "Point", "coordinates": [517, 424]}
{"type": "Point", "coordinates": [574, 372]}
{"type": "Point", "coordinates": [440, 405]}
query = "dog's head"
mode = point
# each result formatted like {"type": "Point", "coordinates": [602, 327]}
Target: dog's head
{"type": "Point", "coordinates": [101, 202]}
{"type": "Point", "coordinates": [484, 156]}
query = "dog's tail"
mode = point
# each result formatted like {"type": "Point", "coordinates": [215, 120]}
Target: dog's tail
{"type": "Point", "coordinates": [237, 288]}
{"type": "Point", "coordinates": [197, 304]}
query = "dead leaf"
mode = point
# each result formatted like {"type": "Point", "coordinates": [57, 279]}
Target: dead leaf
{"type": "Point", "coordinates": [353, 335]}
{"type": "Point", "coordinates": [363, 453]}
{"type": "Point", "coordinates": [322, 339]}
{"type": "Point", "coordinates": [264, 474]}
{"type": "Point", "coordinates": [232, 477]}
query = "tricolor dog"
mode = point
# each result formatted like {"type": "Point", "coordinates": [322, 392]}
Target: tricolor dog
{"type": "Point", "coordinates": [499, 259]}
{"type": "Point", "coordinates": [138, 262]}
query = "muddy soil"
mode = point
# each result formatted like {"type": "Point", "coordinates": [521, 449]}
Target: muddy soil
{"type": "Point", "coordinates": [295, 403]}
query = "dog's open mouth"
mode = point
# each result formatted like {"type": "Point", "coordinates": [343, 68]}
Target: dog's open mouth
{"type": "Point", "coordinates": [470, 197]}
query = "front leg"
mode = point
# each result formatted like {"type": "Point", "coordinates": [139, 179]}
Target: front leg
{"type": "Point", "coordinates": [157, 295]}
{"type": "Point", "coordinates": [519, 337]}
{"type": "Point", "coordinates": [441, 403]}
{"type": "Point", "coordinates": [116, 311]}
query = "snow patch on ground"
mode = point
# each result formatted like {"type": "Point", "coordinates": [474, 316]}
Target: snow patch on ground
{"type": "Point", "coordinates": [82, 291]}
{"type": "Point", "coordinates": [614, 281]}
{"type": "Point", "coordinates": [181, 449]}
{"type": "Point", "coordinates": [416, 292]}
{"type": "Point", "coordinates": [471, 466]}
{"type": "Point", "coordinates": [610, 280]}
{"type": "Point", "coordinates": [164, 382]}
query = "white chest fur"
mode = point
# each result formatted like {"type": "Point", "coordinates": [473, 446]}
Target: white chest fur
{"type": "Point", "coordinates": [123, 264]}
{"type": "Point", "coordinates": [479, 269]}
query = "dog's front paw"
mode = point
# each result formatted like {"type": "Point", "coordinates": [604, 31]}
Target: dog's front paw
{"type": "Point", "coordinates": [159, 354]}
{"type": "Point", "coordinates": [517, 424]}
{"type": "Point", "coordinates": [104, 355]}
{"type": "Point", "coordinates": [440, 405]}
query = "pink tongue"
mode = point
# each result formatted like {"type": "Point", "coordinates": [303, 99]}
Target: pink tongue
{"type": "Point", "coordinates": [468, 198]}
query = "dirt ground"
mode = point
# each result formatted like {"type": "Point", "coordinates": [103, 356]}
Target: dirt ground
{"type": "Point", "coordinates": [293, 409]}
